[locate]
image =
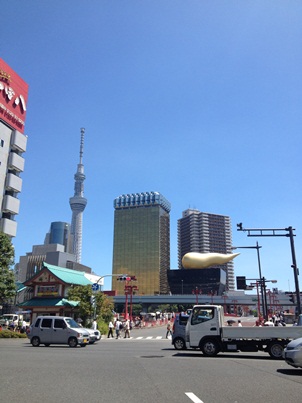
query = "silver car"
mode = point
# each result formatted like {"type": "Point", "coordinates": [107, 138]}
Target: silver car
{"type": "Point", "coordinates": [293, 353]}
{"type": "Point", "coordinates": [179, 332]}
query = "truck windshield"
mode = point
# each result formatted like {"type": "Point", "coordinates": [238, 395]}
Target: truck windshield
{"type": "Point", "coordinates": [201, 314]}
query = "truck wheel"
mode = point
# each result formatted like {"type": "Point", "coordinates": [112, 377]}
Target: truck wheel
{"type": "Point", "coordinates": [72, 342]}
{"type": "Point", "coordinates": [209, 348]}
{"type": "Point", "coordinates": [35, 341]}
{"type": "Point", "coordinates": [275, 350]}
{"type": "Point", "coordinates": [179, 343]}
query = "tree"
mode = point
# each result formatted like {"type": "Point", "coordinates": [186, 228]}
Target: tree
{"type": "Point", "coordinates": [101, 307]}
{"type": "Point", "coordinates": [7, 278]}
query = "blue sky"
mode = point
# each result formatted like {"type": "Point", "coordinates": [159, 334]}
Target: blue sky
{"type": "Point", "coordinates": [199, 100]}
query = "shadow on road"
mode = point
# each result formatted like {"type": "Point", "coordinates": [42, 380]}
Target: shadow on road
{"type": "Point", "coordinates": [224, 356]}
{"type": "Point", "coordinates": [296, 372]}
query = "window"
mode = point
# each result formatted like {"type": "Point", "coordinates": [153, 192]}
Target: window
{"type": "Point", "coordinates": [37, 324]}
{"type": "Point", "coordinates": [59, 324]}
{"type": "Point", "coordinates": [2, 143]}
{"type": "Point", "coordinates": [202, 315]}
{"type": "Point", "coordinates": [46, 323]}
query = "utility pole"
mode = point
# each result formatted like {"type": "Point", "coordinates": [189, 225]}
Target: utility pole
{"type": "Point", "coordinates": [279, 232]}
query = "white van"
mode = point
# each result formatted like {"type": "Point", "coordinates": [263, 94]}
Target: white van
{"type": "Point", "coordinates": [49, 330]}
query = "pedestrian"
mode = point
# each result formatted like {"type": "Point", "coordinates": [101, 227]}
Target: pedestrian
{"type": "Point", "coordinates": [239, 323]}
{"type": "Point", "coordinates": [127, 329]}
{"type": "Point", "coordinates": [118, 324]}
{"type": "Point", "coordinates": [12, 326]}
{"type": "Point", "coordinates": [110, 331]}
{"type": "Point", "coordinates": [169, 331]}
{"type": "Point", "coordinates": [23, 330]}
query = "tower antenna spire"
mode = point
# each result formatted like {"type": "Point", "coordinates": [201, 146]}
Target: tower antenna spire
{"type": "Point", "coordinates": [77, 204]}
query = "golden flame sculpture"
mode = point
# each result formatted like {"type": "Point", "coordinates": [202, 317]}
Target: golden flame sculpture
{"type": "Point", "coordinates": [194, 260]}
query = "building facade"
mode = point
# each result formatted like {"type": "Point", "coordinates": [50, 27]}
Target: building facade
{"type": "Point", "coordinates": [13, 100]}
{"type": "Point", "coordinates": [141, 245]}
{"type": "Point", "coordinates": [204, 232]}
{"type": "Point", "coordinates": [211, 281]}
{"type": "Point", "coordinates": [60, 233]}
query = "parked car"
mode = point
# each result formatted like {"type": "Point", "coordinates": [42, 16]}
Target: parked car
{"type": "Point", "coordinates": [97, 334]}
{"type": "Point", "coordinates": [293, 353]}
{"type": "Point", "coordinates": [92, 336]}
{"type": "Point", "coordinates": [179, 331]}
{"type": "Point", "coordinates": [49, 330]}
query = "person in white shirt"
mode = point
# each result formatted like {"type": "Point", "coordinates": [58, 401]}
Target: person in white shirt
{"type": "Point", "coordinates": [117, 328]}
{"type": "Point", "coordinates": [127, 329]}
{"type": "Point", "coordinates": [110, 331]}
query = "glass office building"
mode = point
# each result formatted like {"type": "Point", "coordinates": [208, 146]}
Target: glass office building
{"type": "Point", "coordinates": [141, 245]}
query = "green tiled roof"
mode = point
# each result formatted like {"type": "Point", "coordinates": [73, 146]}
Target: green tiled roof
{"type": "Point", "coordinates": [67, 275]}
{"type": "Point", "coordinates": [49, 302]}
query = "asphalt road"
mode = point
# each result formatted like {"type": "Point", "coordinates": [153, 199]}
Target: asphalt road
{"type": "Point", "coordinates": [145, 369]}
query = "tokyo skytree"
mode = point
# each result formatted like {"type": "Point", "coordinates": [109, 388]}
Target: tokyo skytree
{"type": "Point", "coordinates": [78, 204]}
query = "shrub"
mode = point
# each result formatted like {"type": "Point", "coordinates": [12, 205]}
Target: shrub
{"type": "Point", "coordinates": [8, 334]}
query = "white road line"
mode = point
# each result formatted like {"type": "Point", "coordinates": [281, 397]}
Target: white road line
{"type": "Point", "coordinates": [149, 337]}
{"type": "Point", "coordinates": [138, 338]}
{"type": "Point", "coordinates": [159, 337]}
{"type": "Point", "coordinates": [193, 397]}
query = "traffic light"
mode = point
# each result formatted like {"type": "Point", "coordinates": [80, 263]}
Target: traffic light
{"type": "Point", "coordinates": [124, 278]}
{"type": "Point", "coordinates": [241, 283]}
{"type": "Point", "coordinates": [292, 298]}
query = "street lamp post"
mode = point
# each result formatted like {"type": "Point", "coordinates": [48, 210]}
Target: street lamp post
{"type": "Point", "coordinates": [182, 287]}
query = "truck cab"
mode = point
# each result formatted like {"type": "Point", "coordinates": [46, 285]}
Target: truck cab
{"type": "Point", "coordinates": [204, 322]}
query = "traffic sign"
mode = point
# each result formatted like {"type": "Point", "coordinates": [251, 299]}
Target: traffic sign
{"type": "Point", "coordinates": [95, 287]}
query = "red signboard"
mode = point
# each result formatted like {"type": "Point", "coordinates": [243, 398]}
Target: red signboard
{"type": "Point", "coordinates": [13, 97]}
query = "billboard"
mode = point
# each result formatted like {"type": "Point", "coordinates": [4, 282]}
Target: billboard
{"type": "Point", "coordinates": [13, 97]}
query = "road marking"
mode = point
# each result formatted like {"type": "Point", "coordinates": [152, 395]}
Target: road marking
{"type": "Point", "coordinates": [193, 397]}
{"type": "Point", "coordinates": [149, 337]}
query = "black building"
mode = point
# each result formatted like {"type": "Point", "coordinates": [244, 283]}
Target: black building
{"type": "Point", "coordinates": [211, 281]}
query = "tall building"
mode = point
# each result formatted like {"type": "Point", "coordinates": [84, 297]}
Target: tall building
{"type": "Point", "coordinates": [56, 250]}
{"type": "Point", "coordinates": [60, 233]}
{"type": "Point", "coordinates": [13, 100]}
{"type": "Point", "coordinates": [204, 232]}
{"type": "Point", "coordinates": [141, 245]}
{"type": "Point", "coordinates": [78, 204]}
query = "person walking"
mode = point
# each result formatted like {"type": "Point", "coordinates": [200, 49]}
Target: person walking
{"type": "Point", "coordinates": [118, 324]}
{"type": "Point", "coordinates": [127, 329]}
{"type": "Point", "coordinates": [169, 331]}
{"type": "Point", "coordinates": [110, 331]}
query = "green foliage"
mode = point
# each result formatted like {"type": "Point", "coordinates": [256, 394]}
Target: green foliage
{"type": "Point", "coordinates": [8, 334]}
{"type": "Point", "coordinates": [7, 278]}
{"type": "Point", "coordinates": [102, 309]}
{"type": "Point", "coordinates": [102, 327]}
{"type": "Point", "coordinates": [136, 309]}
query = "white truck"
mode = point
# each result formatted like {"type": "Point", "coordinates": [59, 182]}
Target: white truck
{"type": "Point", "coordinates": [8, 318]}
{"type": "Point", "coordinates": [205, 329]}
